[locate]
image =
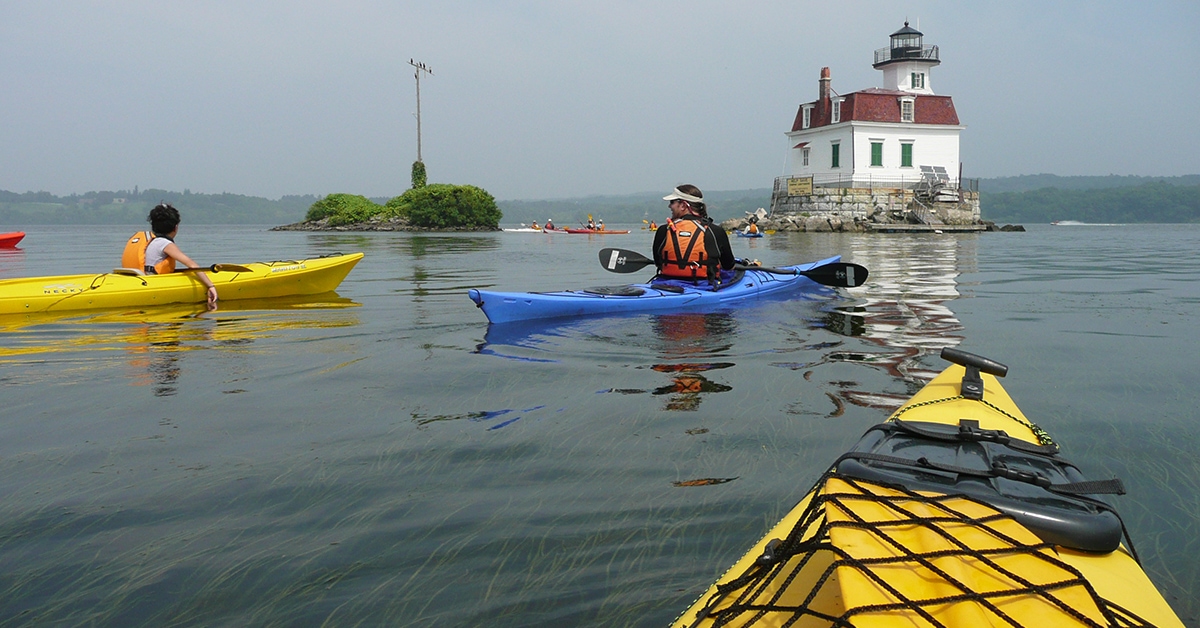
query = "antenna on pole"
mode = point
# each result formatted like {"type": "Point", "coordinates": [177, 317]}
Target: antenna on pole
{"type": "Point", "coordinates": [419, 68]}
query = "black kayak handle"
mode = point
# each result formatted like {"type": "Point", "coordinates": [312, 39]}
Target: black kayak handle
{"type": "Point", "coordinates": [962, 358]}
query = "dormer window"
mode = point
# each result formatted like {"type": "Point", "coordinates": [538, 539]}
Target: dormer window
{"type": "Point", "coordinates": [906, 109]}
{"type": "Point", "coordinates": [806, 120]}
{"type": "Point", "coordinates": [836, 115]}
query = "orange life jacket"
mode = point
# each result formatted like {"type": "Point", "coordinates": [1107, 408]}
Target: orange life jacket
{"type": "Point", "coordinates": [134, 255]}
{"type": "Point", "coordinates": [688, 251]}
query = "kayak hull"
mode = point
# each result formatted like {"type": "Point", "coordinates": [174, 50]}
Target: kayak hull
{"type": "Point", "coordinates": [10, 239]}
{"type": "Point", "coordinates": [507, 307]}
{"type": "Point", "coordinates": [597, 231]}
{"type": "Point", "coordinates": [112, 290]}
{"type": "Point", "coordinates": [888, 554]}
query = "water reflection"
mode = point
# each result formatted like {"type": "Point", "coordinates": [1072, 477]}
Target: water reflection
{"type": "Point", "coordinates": [155, 351]}
{"type": "Point", "coordinates": [430, 245]}
{"type": "Point", "coordinates": [904, 309]}
{"type": "Point", "coordinates": [687, 341]}
{"type": "Point", "coordinates": [154, 341]}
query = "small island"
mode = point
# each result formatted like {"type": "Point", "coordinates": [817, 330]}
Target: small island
{"type": "Point", "coordinates": [423, 207]}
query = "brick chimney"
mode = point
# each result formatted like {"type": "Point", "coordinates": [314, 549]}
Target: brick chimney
{"type": "Point", "coordinates": [823, 91]}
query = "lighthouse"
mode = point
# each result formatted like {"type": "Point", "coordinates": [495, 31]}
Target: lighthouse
{"type": "Point", "coordinates": [899, 140]}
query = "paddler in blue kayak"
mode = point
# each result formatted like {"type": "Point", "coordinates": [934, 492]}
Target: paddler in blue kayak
{"type": "Point", "coordinates": [690, 246]}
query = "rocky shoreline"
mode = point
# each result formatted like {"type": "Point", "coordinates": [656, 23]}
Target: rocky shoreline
{"type": "Point", "coordinates": [826, 222]}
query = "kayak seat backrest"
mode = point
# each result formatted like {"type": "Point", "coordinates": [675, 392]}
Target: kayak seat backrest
{"type": "Point", "coordinates": [1046, 494]}
{"type": "Point", "coordinates": [616, 291]}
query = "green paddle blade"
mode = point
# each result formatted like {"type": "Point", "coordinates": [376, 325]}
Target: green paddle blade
{"type": "Point", "coordinates": [623, 261]}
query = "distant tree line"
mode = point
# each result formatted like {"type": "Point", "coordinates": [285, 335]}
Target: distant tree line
{"type": "Point", "coordinates": [1027, 198]}
{"type": "Point", "coordinates": [1150, 202]}
{"type": "Point", "coordinates": [132, 206]}
{"type": "Point", "coordinates": [631, 208]}
{"type": "Point", "coordinates": [1027, 182]}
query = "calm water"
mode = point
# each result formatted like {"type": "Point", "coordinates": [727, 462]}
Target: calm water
{"type": "Point", "coordinates": [386, 458]}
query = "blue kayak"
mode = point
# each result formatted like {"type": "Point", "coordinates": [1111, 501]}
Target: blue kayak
{"type": "Point", "coordinates": [743, 234]}
{"type": "Point", "coordinates": [668, 295]}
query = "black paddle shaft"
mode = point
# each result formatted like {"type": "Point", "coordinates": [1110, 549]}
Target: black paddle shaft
{"type": "Point", "coordinates": [837, 274]}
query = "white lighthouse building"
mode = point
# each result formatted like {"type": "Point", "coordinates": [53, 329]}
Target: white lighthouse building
{"type": "Point", "coordinates": [901, 137]}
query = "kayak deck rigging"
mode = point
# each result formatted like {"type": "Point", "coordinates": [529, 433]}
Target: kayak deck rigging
{"type": "Point", "coordinates": [961, 514]}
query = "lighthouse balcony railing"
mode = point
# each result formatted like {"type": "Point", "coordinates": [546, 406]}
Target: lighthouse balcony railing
{"type": "Point", "coordinates": [826, 183]}
{"type": "Point", "coordinates": [927, 53]}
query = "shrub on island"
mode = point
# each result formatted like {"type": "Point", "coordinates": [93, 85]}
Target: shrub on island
{"type": "Point", "coordinates": [343, 209]}
{"type": "Point", "coordinates": [446, 206]}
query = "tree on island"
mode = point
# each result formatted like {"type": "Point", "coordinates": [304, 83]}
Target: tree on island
{"type": "Point", "coordinates": [427, 206]}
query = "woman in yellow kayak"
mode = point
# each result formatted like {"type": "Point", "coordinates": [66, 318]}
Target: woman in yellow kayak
{"type": "Point", "coordinates": [162, 252]}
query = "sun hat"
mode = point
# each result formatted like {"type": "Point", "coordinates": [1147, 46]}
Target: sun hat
{"type": "Point", "coordinates": [682, 196]}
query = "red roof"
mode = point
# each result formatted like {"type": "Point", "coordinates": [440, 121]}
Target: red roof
{"type": "Point", "coordinates": [882, 105]}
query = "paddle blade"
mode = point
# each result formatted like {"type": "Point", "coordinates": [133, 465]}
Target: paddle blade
{"type": "Point", "coordinates": [622, 261]}
{"type": "Point", "coordinates": [838, 274]}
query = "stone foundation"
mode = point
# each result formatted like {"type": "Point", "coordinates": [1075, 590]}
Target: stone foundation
{"type": "Point", "coordinates": [857, 209]}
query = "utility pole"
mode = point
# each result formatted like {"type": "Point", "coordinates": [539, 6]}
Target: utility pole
{"type": "Point", "coordinates": [419, 68]}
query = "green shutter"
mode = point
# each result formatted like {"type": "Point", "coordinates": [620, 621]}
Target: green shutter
{"type": "Point", "coordinates": [906, 155]}
{"type": "Point", "coordinates": [876, 153]}
{"type": "Point", "coordinates": [836, 156]}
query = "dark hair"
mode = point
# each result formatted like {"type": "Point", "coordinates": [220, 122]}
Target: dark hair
{"type": "Point", "coordinates": [691, 190]}
{"type": "Point", "coordinates": [163, 219]}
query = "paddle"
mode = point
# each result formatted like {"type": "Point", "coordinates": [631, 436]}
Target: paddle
{"type": "Point", "coordinates": [215, 268]}
{"type": "Point", "coordinates": [837, 274]}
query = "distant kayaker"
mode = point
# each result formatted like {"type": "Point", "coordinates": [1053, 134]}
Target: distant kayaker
{"type": "Point", "coordinates": [600, 227]}
{"type": "Point", "coordinates": [549, 224]}
{"type": "Point", "coordinates": [752, 228]}
{"type": "Point", "coordinates": [690, 246]}
{"type": "Point", "coordinates": [591, 225]}
{"type": "Point", "coordinates": [534, 226]}
{"type": "Point", "coordinates": [164, 223]}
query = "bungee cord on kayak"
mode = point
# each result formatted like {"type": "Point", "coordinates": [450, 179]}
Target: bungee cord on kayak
{"type": "Point", "coordinates": [963, 513]}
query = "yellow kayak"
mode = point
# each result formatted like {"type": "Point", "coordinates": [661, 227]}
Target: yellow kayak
{"type": "Point", "coordinates": [122, 288]}
{"type": "Point", "coordinates": [957, 511]}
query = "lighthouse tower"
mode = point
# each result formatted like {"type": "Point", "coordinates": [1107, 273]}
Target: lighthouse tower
{"type": "Point", "coordinates": [906, 64]}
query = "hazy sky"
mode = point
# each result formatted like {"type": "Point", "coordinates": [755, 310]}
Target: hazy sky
{"type": "Point", "coordinates": [539, 99]}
